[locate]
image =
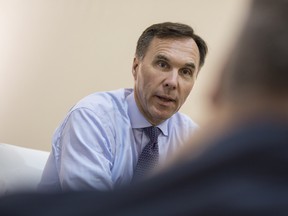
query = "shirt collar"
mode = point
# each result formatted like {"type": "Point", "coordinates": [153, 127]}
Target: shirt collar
{"type": "Point", "coordinates": [138, 120]}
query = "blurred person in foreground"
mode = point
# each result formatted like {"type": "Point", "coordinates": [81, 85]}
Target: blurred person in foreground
{"type": "Point", "coordinates": [241, 169]}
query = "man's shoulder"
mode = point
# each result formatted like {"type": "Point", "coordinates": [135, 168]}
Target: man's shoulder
{"type": "Point", "coordinates": [107, 107]}
{"type": "Point", "coordinates": [104, 100]}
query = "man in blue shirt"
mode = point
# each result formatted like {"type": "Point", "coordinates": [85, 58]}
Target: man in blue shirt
{"type": "Point", "coordinates": [98, 144]}
{"type": "Point", "coordinates": [241, 170]}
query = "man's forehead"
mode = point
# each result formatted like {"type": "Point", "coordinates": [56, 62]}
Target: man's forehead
{"type": "Point", "coordinates": [168, 48]}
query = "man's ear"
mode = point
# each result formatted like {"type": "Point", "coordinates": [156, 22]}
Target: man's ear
{"type": "Point", "coordinates": [135, 67]}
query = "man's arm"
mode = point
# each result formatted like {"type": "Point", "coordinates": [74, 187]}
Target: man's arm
{"type": "Point", "coordinates": [85, 160]}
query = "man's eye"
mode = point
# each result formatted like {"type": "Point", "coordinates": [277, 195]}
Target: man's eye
{"type": "Point", "coordinates": [187, 72]}
{"type": "Point", "coordinates": [162, 64]}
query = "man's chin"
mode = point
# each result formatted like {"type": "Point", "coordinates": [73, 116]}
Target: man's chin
{"type": "Point", "coordinates": [161, 117]}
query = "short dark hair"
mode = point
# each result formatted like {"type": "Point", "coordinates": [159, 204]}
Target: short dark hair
{"type": "Point", "coordinates": [170, 30]}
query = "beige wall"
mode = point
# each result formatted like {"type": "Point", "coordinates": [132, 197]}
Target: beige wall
{"type": "Point", "coordinates": [54, 52]}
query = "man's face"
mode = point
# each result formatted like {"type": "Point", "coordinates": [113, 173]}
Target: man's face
{"type": "Point", "coordinates": [165, 76]}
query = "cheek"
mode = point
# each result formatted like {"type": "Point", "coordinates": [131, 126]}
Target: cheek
{"type": "Point", "coordinates": [146, 78]}
{"type": "Point", "coordinates": [141, 86]}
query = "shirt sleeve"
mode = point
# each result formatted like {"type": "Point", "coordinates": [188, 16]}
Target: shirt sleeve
{"type": "Point", "coordinates": [85, 161]}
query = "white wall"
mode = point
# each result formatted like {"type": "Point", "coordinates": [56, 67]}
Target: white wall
{"type": "Point", "coordinates": [54, 52]}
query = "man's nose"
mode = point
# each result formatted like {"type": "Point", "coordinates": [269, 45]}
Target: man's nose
{"type": "Point", "coordinates": [171, 80]}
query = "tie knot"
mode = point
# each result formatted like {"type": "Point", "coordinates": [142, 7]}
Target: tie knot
{"type": "Point", "coordinates": [152, 132]}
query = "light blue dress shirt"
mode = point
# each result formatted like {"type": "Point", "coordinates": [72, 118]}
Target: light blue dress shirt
{"type": "Point", "coordinates": [98, 143]}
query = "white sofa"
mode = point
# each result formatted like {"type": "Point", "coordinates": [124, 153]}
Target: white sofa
{"type": "Point", "coordinates": [20, 168]}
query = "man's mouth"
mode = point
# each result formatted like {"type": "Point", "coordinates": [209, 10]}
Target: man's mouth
{"type": "Point", "coordinates": [166, 98]}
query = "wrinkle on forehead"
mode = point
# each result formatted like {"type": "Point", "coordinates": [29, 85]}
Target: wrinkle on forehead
{"type": "Point", "coordinates": [172, 49]}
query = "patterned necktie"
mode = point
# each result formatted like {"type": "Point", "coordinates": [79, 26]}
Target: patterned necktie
{"type": "Point", "coordinates": [150, 155]}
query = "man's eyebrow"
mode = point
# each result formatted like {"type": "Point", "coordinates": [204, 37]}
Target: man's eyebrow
{"type": "Point", "coordinates": [162, 57]}
{"type": "Point", "coordinates": [191, 65]}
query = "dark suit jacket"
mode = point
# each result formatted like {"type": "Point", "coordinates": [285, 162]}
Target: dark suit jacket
{"type": "Point", "coordinates": [243, 173]}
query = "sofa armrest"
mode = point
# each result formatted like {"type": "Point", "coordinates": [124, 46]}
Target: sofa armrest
{"type": "Point", "coordinates": [20, 168]}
